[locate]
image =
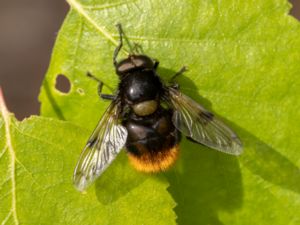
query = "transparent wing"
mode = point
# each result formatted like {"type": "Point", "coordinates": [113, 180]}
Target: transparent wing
{"type": "Point", "coordinates": [101, 149]}
{"type": "Point", "coordinates": [200, 125]}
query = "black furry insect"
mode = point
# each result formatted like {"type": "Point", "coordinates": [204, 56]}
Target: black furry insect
{"type": "Point", "coordinates": [147, 117]}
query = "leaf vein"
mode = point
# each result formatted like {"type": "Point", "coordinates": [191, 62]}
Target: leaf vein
{"type": "Point", "coordinates": [107, 6]}
{"type": "Point", "coordinates": [78, 38]}
{"type": "Point", "coordinates": [7, 123]}
{"type": "Point", "coordinates": [79, 8]}
{"type": "Point", "coordinates": [4, 182]}
{"type": "Point", "coordinates": [38, 139]}
{"type": "Point", "coordinates": [3, 151]}
{"type": "Point", "coordinates": [6, 218]}
{"type": "Point", "coordinates": [6, 195]}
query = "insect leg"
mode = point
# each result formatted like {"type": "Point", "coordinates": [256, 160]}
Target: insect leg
{"type": "Point", "coordinates": [100, 86]}
{"type": "Point", "coordinates": [137, 48]}
{"type": "Point", "coordinates": [118, 48]}
{"type": "Point", "coordinates": [156, 63]}
{"type": "Point", "coordinates": [104, 96]}
{"type": "Point", "coordinates": [107, 97]}
{"type": "Point", "coordinates": [181, 71]}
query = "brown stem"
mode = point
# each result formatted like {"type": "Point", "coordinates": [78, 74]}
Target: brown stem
{"type": "Point", "coordinates": [2, 101]}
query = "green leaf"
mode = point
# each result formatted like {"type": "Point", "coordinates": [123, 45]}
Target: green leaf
{"type": "Point", "coordinates": [243, 59]}
{"type": "Point", "coordinates": [37, 159]}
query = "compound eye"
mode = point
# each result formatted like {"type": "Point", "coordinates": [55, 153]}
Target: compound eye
{"type": "Point", "coordinates": [124, 67]}
{"type": "Point", "coordinates": [145, 108]}
{"type": "Point", "coordinates": [138, 62]}
{"type": "Point", "coordinates": [142, 61]}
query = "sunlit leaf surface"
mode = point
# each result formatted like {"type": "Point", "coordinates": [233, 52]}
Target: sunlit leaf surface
{"type": "Point", "coordinates": [243, 59]}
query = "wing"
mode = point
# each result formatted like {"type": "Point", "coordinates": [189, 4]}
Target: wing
{"type": "Point", "coordinates": [200, 125]}
{"type": "Point", "coordinates": [101, 149]}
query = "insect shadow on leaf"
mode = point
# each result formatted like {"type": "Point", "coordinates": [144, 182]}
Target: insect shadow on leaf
{"type": "Point", "coordinates": [203, 182]}
{"type": "Point", "coordinates": [52, 101]}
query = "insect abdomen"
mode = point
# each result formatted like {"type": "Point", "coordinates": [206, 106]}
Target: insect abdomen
{"type": "Point", "coordinates": [152, 143]}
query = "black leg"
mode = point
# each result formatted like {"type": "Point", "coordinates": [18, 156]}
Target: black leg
{"type": "Point", "coordinates": [181, 71]}
{"type": "Point", "coordinates": [156, 63]}
{"type": "Point", "coordinates": [94, 78]}
{"type": "Point", "coordinates": [107, 97]}
{"type": "Point", "coordinates": [137, 49]}
{"type": "Point", "coordinates": [100, 86]}
{"type": "Point", "coordinates": [118, 48]}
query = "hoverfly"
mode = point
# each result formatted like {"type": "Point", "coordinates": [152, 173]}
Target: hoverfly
{"type": "Point", "coordinates": [147, 117]}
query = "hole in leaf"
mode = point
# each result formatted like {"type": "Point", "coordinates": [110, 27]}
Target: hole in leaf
{"type": "Point", "coordinates": [295, 11]}
{"type": "Point", "coordinates": [62, 84]}
{"type": "Point", "coordinates": [80, 91]}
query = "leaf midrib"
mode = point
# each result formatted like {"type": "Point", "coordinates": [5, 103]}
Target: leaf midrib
{"type": "Point", "coordinates": [80, 9]}
{"type": "Point", "coordinates": [12, 166]}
